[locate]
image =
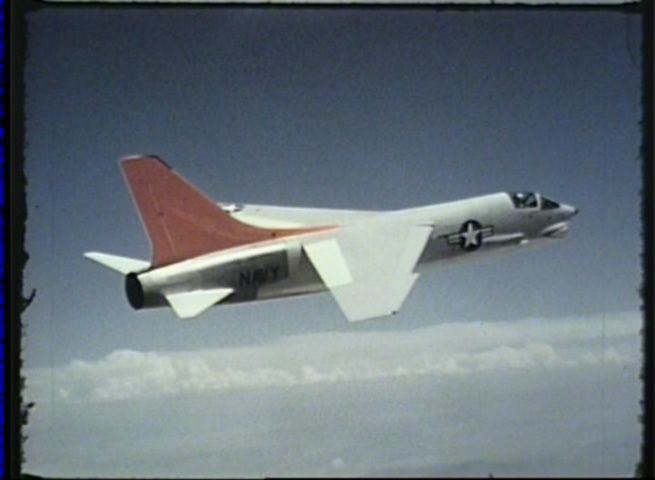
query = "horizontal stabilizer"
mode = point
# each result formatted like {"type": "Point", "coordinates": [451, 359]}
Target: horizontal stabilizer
{"type": "Point", "coordinates": [191, 304]}
{"type": "Point", "coordinates": [122, 265]}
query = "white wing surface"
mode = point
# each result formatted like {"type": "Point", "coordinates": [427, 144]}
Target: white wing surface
{"type": "Point", "coordinates": [328, 260]}
{"type": "Point", "coordinates": [369, 268]}
{"type": "Point", "coordinates": [269, 216]}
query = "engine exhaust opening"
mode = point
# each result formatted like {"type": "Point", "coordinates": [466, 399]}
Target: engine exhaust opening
{"type": "Point", "coordinates": [134, 291]}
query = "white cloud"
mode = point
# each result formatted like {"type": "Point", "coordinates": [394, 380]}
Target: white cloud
{"type": "Point", "coordinates": [527, 398]}
{"type": "Point", "coordinates": [338, 463]}
{"type": "Point", "coordinates": [444, 349]}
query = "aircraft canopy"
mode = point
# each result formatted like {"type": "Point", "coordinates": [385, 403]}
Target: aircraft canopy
{"type": "Point", "coordinates": [524, 200]}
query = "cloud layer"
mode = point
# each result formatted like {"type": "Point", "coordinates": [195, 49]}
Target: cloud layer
{"type": "Point", "coordinates": [444, 349]}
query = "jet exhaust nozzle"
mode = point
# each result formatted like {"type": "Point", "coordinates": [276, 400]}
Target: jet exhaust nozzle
{"type": "Point", "coordinates": [134, 291]}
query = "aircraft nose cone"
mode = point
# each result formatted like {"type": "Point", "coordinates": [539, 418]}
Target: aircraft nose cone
{"type": "Point", "coordinates": [569, 211]}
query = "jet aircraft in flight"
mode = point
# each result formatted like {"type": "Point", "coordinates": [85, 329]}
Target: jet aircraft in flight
{"type": "Point", "coordinates": [206, 253]}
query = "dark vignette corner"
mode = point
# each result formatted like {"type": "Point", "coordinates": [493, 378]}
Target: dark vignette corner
{"type": "Point", "coordinates": [16, 411]}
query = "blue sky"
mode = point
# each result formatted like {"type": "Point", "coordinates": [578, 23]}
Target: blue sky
{"type": "Point", "coordinates": [361, 109]}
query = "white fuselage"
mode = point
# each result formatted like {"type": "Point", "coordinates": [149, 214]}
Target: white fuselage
{"type": "Point", "coordinates": [461, 231]}
{"type": "Point", "coordinates": [205, 254]}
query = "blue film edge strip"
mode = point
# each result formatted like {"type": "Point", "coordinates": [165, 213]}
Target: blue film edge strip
{"type": "Point", "coordinates": [2, 230]}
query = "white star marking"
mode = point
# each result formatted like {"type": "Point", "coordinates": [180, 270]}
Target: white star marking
{"type": "Point", "coordinates": [470, 236]}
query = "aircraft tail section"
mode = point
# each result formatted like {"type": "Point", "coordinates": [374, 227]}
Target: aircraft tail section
{"type": "Point", "coordinates": [119, 264]}
{"type": "Point", "coordinates": [181, 221]}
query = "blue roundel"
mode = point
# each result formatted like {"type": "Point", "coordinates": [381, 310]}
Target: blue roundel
{"type": "Point", "coordinates": [470, 235]}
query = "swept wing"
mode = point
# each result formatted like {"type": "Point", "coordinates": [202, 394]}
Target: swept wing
{"type": "Point", "coordinates": [370, 267]}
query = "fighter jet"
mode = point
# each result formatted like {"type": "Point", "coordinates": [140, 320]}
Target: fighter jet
{"type": "Point", "coordinates": [206, 253]}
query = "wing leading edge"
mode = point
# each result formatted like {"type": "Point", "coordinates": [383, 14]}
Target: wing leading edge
{"type": "Point", "coordinates": [369, 267]}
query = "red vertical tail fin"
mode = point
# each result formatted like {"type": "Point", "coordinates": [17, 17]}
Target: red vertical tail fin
{"type": "Point", "coordinates": [181, 221]}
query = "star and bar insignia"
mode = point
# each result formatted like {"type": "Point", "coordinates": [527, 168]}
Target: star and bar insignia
{"type": "Point", "coordinates": [470, 235]}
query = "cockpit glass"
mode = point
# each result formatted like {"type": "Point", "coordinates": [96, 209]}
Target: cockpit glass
{"type": "Point", "coordinates": [524, 200]}
{"type": "Point", "coordinates": [548, 204]}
